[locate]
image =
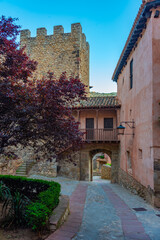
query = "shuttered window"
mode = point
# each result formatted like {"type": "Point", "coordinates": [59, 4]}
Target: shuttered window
{"type": "Point", "coordinates": [108, 123]}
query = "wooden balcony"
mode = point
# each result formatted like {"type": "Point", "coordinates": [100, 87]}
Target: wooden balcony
{"type": "Point", "coordinates": [100, 135]}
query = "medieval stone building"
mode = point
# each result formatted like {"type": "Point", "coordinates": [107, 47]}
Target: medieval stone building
{"type": "Point", "coordinates": [135, 156]}
{"type": "Point", "coordinates": [60, 52]}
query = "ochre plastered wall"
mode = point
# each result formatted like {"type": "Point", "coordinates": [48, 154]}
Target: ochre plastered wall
{"type": "Point", "coordinates": [60, 52]}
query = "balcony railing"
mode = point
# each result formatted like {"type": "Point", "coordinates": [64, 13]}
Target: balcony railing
{"type": "Point", "coordinates": [100, 135]}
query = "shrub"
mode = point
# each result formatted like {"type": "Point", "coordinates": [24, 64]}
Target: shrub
{"type": "Point", "coordinates": [49, 198]}
{"type": "Point", "coordinates": [29, 187]}
{"type": "Point", "coordinates": [43, 194]}
{"type": "Point", "coordinates": [37, 215]}
{"type": "Point", "coordinates": [14, 208]}
{"type": "Point", "coordinates": [108, 164]}
{"type": "Point", "coordinates": [4, 192]}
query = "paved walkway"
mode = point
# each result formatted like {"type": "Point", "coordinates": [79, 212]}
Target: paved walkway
{"type": "Point", "coordinates": [102, 211]}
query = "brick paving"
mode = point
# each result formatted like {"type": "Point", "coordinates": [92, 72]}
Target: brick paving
{"type": "Point", "coordinates": [73, 223]}
{"type": "Point", "coordinates": [132, 227]}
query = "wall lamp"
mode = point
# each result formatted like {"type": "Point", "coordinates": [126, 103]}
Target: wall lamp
{"type": "Point", "coordinates": [121, 128]}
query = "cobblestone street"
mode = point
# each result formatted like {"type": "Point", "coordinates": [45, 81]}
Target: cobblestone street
{"type": "Point", "coordinates": [102, 211]}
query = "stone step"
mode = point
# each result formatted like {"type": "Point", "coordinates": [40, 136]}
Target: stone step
{"type": "Point", "coordinates": [21, 174]}
{"type": "Point", "coordinates": [22, 170]}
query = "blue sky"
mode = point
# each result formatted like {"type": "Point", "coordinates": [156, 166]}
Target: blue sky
{"type": "Point", "coordinates": [105, 23]}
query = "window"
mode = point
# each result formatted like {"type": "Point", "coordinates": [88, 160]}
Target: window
{"type": "Point", "coordinates": [130, 113]}
{"type": "Point", "coordinates": [108, 123]}
{"type": "Point", "coordinates": [131, 74]}
{"type": "Point", "coordinates": [90, 123]}
{"type": "Point", "coordinates": [140, 154]}
{"type": "Point", "coordinates": [129, 162]}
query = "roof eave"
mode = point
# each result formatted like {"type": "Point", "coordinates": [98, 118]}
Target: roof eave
{"type": "Point", "coordinates": [133, 36]}
{"type": "Point", "coordinates": [97, 107]}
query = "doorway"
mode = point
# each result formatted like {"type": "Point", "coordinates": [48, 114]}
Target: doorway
{"type": "Point", "coordinates": [100, 166]}
{"type": "Point", "coordinates": [89, 128]}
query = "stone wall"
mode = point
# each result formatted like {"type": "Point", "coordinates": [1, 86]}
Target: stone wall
{"type": "Point", "coordinates": [60, 52]}
{"type": "Point", "coordinates": [13, 157]}
{"type": "Point", "coordinates": [9, 166]}
{"type": "Point", "coordinates": [135, 187]}
{"type": "Point", "coordinates": [157, 182]}
{"type": "Point", "coordinates": [115, 165]}
{"type": "Point", "coordinates": [106, 172]}
{"type": "Point", "coordinates": [45, 164]}
{"type": "Point", "coordinates": [44, 168]}
{"type": "Point", "coordinates": [69, 165]}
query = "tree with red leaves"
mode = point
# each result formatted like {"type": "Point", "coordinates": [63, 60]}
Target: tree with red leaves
{"type": "Point", "coordinates": [36, 112]}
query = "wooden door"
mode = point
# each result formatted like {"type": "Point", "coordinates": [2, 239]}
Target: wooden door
{"type": "Point", "coordinates": [90, 128]}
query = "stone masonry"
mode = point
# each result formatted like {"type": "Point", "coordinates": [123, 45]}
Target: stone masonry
{"type": "Point", "coordinates": [106, 172]}
{"type": "Point", "coordinates": [60, 52]}
{"type": "Point", "coordinates": [134, 186]}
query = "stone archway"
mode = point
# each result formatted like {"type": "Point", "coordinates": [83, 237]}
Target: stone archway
{"type": "Point", "coordinates": [87, 153]}
{"type": "Point", "coordinates": [92, 153]}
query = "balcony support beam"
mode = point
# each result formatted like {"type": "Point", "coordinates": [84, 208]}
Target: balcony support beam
{"type": "Point", "coordinates": [97, 114]}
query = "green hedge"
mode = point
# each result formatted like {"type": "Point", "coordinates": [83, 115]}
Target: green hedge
{"type": "Point", "coordinates": [43, 194]}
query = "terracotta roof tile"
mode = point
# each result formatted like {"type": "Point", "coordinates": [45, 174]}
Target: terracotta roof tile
{"type": "Point", "coordinates": [99, 102]}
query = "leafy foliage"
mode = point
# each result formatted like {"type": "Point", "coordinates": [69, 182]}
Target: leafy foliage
{"type": "Point", "coordinates": [4, 192]}
{"type": "Point", "coordinates": [49, 198]}
{"type": "Point", "coordinates": [109, 164]}
{"type": "Point", "coordinates": [20, 210]}
{"type": "Point", "coordinates": [14, 208]}
{"type": "Point", "coordinates": [37, 215]}
{"type": "Point", "coordinates": [97, 94]}
{"type": "Point", "coordinates": [36, 112]}
{"type": "Point", "coordinates": [29, 187]}
{"type": "Point", "coordinates": [15, 68]}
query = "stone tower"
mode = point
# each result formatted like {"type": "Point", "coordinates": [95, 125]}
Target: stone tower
{"type": "Point", "coordinates": [60, 52]}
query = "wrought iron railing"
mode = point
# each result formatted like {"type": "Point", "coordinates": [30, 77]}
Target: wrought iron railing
{"type": "Point", "coordinates": [98, 135]}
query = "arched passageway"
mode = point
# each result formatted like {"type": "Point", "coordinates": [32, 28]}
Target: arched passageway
{"type": "Point", "coordinates": [79, 165]}
{"type": "Point", "coordinates": [98, 158]}
{"type": "Point", "coordinates": [86, 159]}
{"type": "Point", "coordinates": [101, 166]}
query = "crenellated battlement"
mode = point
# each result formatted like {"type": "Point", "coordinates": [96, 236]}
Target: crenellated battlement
{"type": "Point", "coordinates": [60, 52]}
{"type": "Point", "coordinates": [58, 32]}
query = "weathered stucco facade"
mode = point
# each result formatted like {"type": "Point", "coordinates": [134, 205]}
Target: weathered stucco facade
{"type": "Point", "coordinates": [139, 94]}
{"type": "Point", "coordinates": [60, 52]}
{"type": "Point", "coordinates": [99, 136]}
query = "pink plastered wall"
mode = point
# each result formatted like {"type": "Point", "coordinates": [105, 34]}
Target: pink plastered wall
{"type": "Point", "coordinates": [156, 87]}
{"type": "Point", "coordinates": [136, 103]}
